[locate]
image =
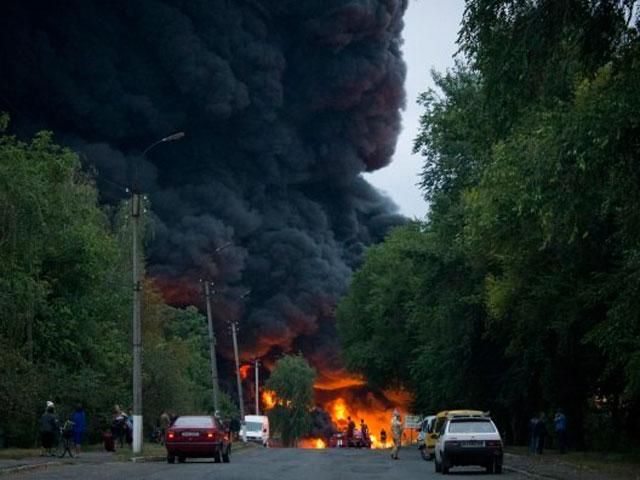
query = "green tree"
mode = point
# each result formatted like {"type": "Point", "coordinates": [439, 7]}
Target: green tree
{"type": "Point", "coordinates": [292, 382]}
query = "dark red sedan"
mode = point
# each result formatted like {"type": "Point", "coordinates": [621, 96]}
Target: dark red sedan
{"type": "Point", "coordinates": [198, 437]}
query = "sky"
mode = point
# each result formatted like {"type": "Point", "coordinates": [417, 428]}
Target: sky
{"type": "Point", "coordinates": [430, 32]}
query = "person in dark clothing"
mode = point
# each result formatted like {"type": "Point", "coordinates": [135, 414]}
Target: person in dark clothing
{"type": "Point", "coordinates": [79, 427]}
{"type": "Point", "coordinates": [540, 432]}
{"type": "Point", "coordinates": [383, 437]}
{"type": "Point", "coordinates": [560, 424]}
{"type": "Point", "coordinates": [351, 426]}
{"type": "Point", "coordinates": [48, 430]}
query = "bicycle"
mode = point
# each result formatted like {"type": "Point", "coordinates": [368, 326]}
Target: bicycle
{"type": "Point", "coordinates": [66, 439]}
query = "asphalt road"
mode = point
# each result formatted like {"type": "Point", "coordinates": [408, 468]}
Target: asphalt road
{"type": "Point", "coordinates": [271, 464]}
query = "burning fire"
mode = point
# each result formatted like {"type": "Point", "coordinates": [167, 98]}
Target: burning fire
{"type": "Point", "coordinates": [244, 371]}
{"type": "Point", "coordinates": [317, 443]}
{"type": "Point", "coordinates": [375, 413]}
{"type": "Point", "coordinates": [268, 399]}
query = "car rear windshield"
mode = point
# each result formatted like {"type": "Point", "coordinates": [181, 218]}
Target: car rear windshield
{"type": "Point", "coordinates": [471, 426]}
{"type": "Point", "coordinates": [197, 422]}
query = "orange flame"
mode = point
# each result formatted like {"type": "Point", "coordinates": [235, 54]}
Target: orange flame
{"type": "Point", "coordinates": [244, 371]}
{"type": "Point", "coordinates": [316, 443]}
{"type": "Point", "coordinates": [377, 417]}
{"type": "Point", "coordinates": [268, 399]}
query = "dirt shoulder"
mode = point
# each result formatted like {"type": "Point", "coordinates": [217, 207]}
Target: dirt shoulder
{"type": "Point", "coordinates": [575, 465]}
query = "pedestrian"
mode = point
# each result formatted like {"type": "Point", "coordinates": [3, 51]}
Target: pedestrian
{"type": "Point", "coordinates": [560, 425]}
{"type": "Point", "coordinates": [364, 430]}
{"type": "Point", "coordinates": [79, 420]}
{"type": "Point", "coordinates": [351, 426]}
{"type": "Point", "coordinates": [48, 429]}
{"type": "Point", "coordinates": [541, 432]}
{"type": "Point", "coordinates": [118, 425]}
{"type": "Point", "coordinates": [533, 440]}
{"type": "Point", "coordinates": [396, 433]}
{"type": "Point", "coordinates": [383, 437]}
{"type": "Point", "coordinates": [165, 423]}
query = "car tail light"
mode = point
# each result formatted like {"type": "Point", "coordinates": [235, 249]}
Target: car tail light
{"type": "Point", "coordinates": [493, 443]}
{"type": "Point", "coordinates": [209, 434]}
{"type": "Point", "coordinates": [171, 435]}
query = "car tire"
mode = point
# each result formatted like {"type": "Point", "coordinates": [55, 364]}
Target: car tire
{"type": "Point", "coordinates": [171, 459]}
{"type": "Point", "coordinates": [445, 466]}
{"type": "Point", "coordinates": [226, 455]}
{"type": "Point", "coordinates": [182, 459]}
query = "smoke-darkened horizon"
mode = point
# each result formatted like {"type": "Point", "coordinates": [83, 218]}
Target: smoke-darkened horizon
{"type": "Point", "coordinates": [285, 103]}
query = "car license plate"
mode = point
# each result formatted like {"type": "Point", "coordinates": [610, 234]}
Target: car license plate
{"type": "Point", "coordinates": [190, 434]}
{"type": "Point", "coordinates": [472, 443]}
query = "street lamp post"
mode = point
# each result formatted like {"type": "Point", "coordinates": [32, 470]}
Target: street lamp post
{"type": "Point", "coordinates": [137, 301]}
{"type": "Point", "coordinates": [234, 327]}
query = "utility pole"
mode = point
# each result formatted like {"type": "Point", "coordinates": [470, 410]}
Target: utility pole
{"type": "Point", "coordinates": [257, 369]}
{"type": "Point", "coordinates": [212, 349]}
{"type": "Point", "coordinates": [137, 299]}
{"type": "Point", "coordinates": [137, 326]}
{"type": "Point", "coordinates": [234, 326]}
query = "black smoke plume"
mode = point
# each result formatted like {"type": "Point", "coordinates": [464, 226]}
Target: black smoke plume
{"type": "Point", "coordinates": [284, 102]}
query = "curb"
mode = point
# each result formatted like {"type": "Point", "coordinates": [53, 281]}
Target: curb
{"type": "Point", "coordinates": [528, 474]}
{"type": "Point", "coordinates": [26, 468]}
{"type": "Point", "coordinates": [156, 458]}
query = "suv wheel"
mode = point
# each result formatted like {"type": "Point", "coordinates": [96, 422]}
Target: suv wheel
{"type": "Point", "coordinates": [445, 466]}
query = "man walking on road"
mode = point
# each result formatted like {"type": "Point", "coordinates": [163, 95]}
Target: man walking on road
{"type": "Point", "coordinates": [396, 433]}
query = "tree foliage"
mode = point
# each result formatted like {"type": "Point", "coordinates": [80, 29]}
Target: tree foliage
{"type": "Point", "coordinates": [292, 382]}
{"type": "Point", "coordinates": [519, 292]}
{"type": "Point", "coordinates": [65, 302]}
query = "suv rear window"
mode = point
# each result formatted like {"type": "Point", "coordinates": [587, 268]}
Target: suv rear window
{"type": "Point", "coordinates": [471, 426]}
{"type": "Point", "coordinates": [198, 422]}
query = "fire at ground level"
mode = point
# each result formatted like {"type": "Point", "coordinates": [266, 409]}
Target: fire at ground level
{"type": "Point", "coordinates": [335, 406]}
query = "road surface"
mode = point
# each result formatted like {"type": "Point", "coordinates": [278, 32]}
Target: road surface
{"type": "Point", "coordinates": [271, 464]}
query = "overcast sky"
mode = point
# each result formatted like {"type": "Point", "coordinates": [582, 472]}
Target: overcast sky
{"type": "Point", "coordinates": [430, 32]}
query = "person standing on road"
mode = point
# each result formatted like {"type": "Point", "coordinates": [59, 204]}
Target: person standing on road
{"type": "Point", "coordinates": [351, 426]}
{"type": "Point", "coordinates": [48, 430]}
{"type": "Point", "coordinates": [560, 425]}
{"type": "Point", "coordinates": [533, 439]}
{"type": "Point", "coordinates": [396, 433]}
{"type": "Point", "coordinates": [540, 431]}
{"type": "Point", "coordinates": [165, 423]}
{"type": "Point", "coordinates": [79, 427]}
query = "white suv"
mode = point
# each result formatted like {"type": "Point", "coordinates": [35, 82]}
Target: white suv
{"type": "Point", "coordinates": [469, 441]}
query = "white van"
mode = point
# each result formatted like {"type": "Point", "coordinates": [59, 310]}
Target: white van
{"type": "Point", "coordinates": [257, 428]}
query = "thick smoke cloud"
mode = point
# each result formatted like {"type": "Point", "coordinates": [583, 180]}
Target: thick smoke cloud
{"type": "Point", "coordinates": [285, 103]}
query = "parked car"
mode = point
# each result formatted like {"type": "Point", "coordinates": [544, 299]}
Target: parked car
{"type": "Point", "coordinates": [359, 440]}
{"type": "Point", "coordinates": [426, 429]}
{"type": "Point", "coordinates": [441, 418]}
{"type": "Point", "coordinates": [257, 428]}
{"type": "Point", "coordinates": [468, 441]}
{"type": "Point", "coordinates": [338, 440]}
{"type": "Point", "coordinates": [198, 436]}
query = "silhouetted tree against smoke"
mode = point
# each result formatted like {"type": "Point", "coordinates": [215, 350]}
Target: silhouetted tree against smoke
{"type": "Point", "coordinates": [285, 104]}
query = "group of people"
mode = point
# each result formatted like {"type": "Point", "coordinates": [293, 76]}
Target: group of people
{"type": "Point", "coordinates": [52, 431]}
{"type": "Point", "coordinates": [538, 432]}
{"type": "Point", "coordinates": [357, 437]}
